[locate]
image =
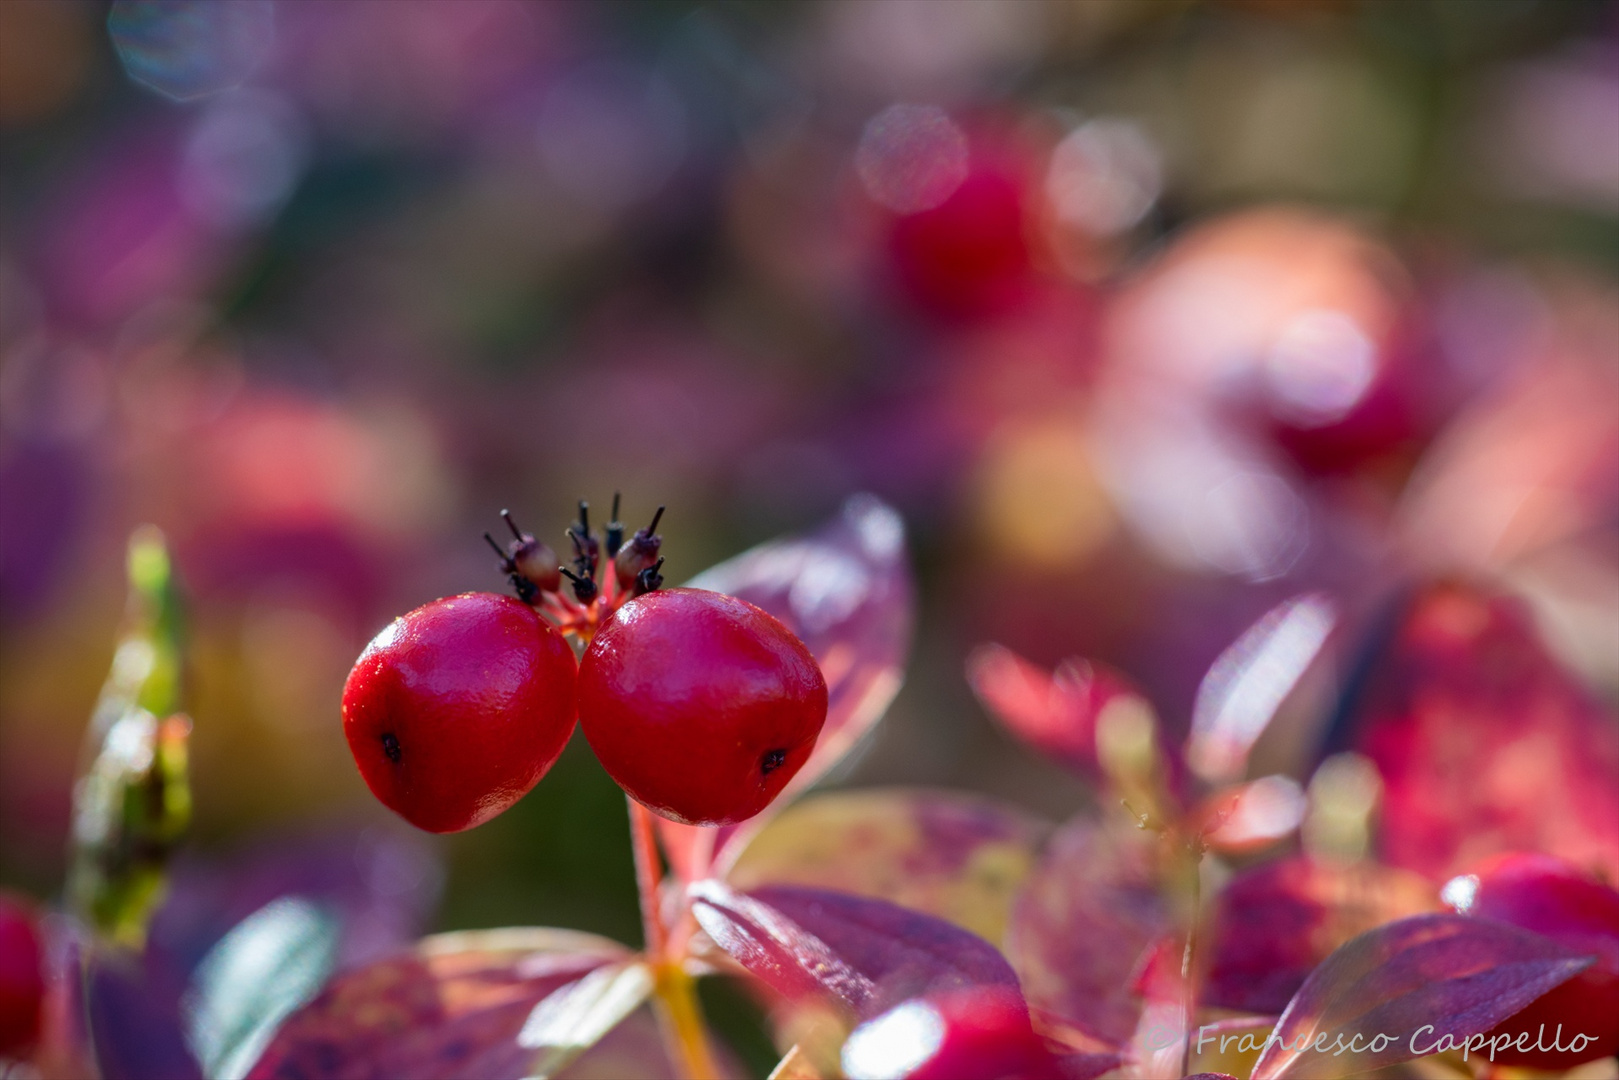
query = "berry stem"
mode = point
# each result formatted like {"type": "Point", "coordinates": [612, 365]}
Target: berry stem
{"type": "Point", "coordinates": [649, 880]}
{"type": "Point", "coordinates": [680, 1015]}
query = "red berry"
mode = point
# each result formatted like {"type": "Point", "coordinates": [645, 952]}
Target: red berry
{"type": "Point", "coordinates": [457, 709]}
{"type": "Point", "coordinates": [967, 256]}
{"type": "Point", "coordinates": [701, 706]}
{"type": "Point", "coordinates": [1549, 896]}
{"type": "Point", "coordinates": [22, 981]}
{"type": "Point", "coordinates": [983, 1033]}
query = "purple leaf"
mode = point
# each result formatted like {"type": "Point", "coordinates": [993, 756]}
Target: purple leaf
{"type": "Point", "coordinates": [1274, 923]}
{"type": "Point", "coordinates": [132, 1022]}
{"type": "Point", "coordinates": [453, 1007]}
{"type": "Point", "coordinates": [846, 591]}
{"type": "Point", "coordinates": [1404, 987]}
{"type": "Point", "coordinates": [381, 882]}
{"type": "Point", "coordinates": [959, 857]}
{"type": "Point", "coordinates": [869, 954]}
{"type": "Point", "coordinates": [1084, 924]}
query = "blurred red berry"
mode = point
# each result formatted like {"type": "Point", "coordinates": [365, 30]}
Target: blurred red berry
{"type": "Point", "coordinates": [982, 1033]}
{"type": "Point", "coordinates": [456, 710]}
{"type": "Point", "coordinates": [22, 980]}
{"type": "Point", "coordinates": [699, 705]}
{"type": "Point", "coordinates": [1549, 896]}
{"type": "Point", "coordinates": [967, 256]}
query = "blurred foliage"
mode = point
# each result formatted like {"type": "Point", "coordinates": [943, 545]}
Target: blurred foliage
{"type": "Point", "coordinates": [133, 804]}
{"type": "Point", "coordinates": [420, 261]}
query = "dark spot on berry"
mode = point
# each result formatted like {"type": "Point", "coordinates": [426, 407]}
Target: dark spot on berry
{"type": "Point", "coordinates": [390, 746]}
{"type": "Point", "coordinates": [773, 760]}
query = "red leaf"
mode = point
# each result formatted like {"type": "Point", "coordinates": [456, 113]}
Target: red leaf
{"type": "Point", "coordinates": [846, 591]}
{"type": "Point", "coordinates": [869, 954]}
{"type": "Point", "coordinates": [1054, 712]}
{"type": "Point", "coordinates": [1393, 993]}
{"type": "Point", "coordinates": [1484, 743]}
{"type": "Point", "coordinates": [1274, 923]}
{"type": "Point", "coordinates": [1084, 924]}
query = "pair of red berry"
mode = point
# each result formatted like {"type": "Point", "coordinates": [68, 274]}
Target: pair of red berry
{"type": "Point", "coordinates": [699, 705]}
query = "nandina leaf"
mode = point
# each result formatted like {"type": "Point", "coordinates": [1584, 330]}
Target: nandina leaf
{"type": "Point", "coordinates": [454, 1006]}
{"type": "Point", "coordinates": [846, 591]}
{"type": "Point", "coordinates": [1083, 924]}
{"type": "Point", "coordinates": [1484, 743]}
{"type": "Point", "coordinates": [867, 954]}
{"type": "Point", "coordinates": [1274, 923]}
{"type": "Point", "coordinates": [1416, 981]}
{"type": "Point", "coordinates": [959, 857]}
{"type": "Point", "coordinates": [269, 964]}
{"type": "Point", "coordinates": [1249, 681]}
{"type": "Point", "coordinates": [1054, 712]}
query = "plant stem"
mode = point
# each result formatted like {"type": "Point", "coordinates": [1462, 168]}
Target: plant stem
{"type": "Point", "coordinates": [680, 1018]}
{"type": "Point", "coordinates": [648, 881]}
{"type": "Point", "coordinates": [1188, 965]}
{"type": "Point", "coordinates": [680, 1015]}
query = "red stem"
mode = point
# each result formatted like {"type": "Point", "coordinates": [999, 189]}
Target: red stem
{"type": "Point", "coordinates": [648, 880]}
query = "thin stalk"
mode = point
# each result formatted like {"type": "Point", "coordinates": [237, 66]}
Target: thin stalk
{"type": "Point", "coordinates": [648, 881]}
{"type": "Point", "coordinates": [680, 1015]}
{"type": "Point", "coordinates": [1188, 962]}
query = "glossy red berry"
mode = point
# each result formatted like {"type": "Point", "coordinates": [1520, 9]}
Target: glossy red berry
{"type": "Point", "coordinates": [456, 710]}
{"type": "Point", "coordinates": [701, 706]}
{"type": "Point", "coordinates": [981, 1032]}
{"type": "Point", "coordinates": [1556, 898]}
{"type": "Point", "coordinates": [22, 981]}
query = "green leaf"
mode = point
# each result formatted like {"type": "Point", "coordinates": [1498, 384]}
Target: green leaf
{"type": "Point", "coordinates": [267, 966]}
{"type": "Point", "coordinates": [132, 803]}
